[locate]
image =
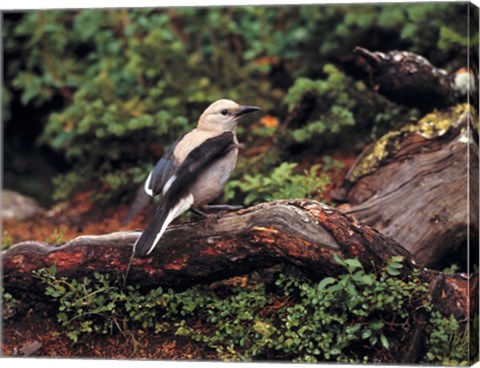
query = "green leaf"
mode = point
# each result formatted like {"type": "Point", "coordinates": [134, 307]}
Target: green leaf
{"type": "Point", "coordinates": [353, 264]}
{"type": "Point", "coordinates": [377, 325]}
{"type": "Point", "coordinates": [353, 329]}
{"type": "Point", "coordinates": [350, 289]}
{"type": "Point", "coordinates": [392, 271]}
{"type": "Point", "coordinates": [73, 336]}
{"type": "Point", "coordinates": [368, 279]}
{"type": "Point", "coordinates": [398, 259]}
{"type": "Point", "coordinates": [396, 265]}
{"type": "Point", "coordinates": [300, 135]}
{"type": "Point", "coordinates": [366, 334]}
{"type": "Point", "coordinates": [325, 282]}
{"type": "Point", "coordinates": [335, 288]}
{"type": "Point", "coordinates": [339, 260]}
{"type": "Point", "coordinates": [384, 341]}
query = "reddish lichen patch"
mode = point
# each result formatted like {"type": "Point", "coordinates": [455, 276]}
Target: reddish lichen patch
{"type": "Point", "coordinates": [177, 263]}
{"type": "Point", "coordinates": [212, 251]}
{"type": "Point", "coordinates": [215, 246]}
{"type": "Point", "coordinates": [66, 260]}
{"type": "Point", "coordinates": [119, 265]}
{"type": "Point", "coordinates": [17, 259]}
{"type": "Point", "coordinates": [142, 261]}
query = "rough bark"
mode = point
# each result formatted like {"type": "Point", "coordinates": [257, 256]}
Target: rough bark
{"type": "Point", "coordinates": [298, 232]}
{"type": "Point", "coordinates": [411, 185]}
{"type": "Point", "coordinates": [410, 79]}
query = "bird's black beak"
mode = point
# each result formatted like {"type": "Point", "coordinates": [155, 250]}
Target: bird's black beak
{"type": "Point", "coordinates": [245, 110]}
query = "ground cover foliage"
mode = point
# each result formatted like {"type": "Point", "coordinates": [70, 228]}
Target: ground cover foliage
{"type": "Point", "coordinates": [358, 316]}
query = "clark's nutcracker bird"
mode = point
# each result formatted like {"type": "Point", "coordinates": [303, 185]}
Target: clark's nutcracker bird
{"type": "Point", "coordinates": [194, 171]}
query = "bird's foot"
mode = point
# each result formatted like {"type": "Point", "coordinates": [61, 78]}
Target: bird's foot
{"type": "Point", "coordinates": [217, 210]}
{"type": "Point", "coordinates": [207, 216]}
{"type": "Point", "coordinates": [199, 213]}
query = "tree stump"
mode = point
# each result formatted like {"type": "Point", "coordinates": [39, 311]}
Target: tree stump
{"type": "Point", "coordinates": [416, 185]}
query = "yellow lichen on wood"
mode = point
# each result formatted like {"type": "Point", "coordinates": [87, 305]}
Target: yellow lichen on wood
{"type": "Point", "coordinates": [431, 126]}
{"type": "Point", "coordinates": [475, 118]}
{"type": "Point", "coordinates": [375, 155]}
{"type": "Point", "coordinates": [438, 123]}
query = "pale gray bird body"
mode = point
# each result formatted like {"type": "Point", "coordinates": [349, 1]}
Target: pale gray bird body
{"type": "Point", "coordinates": [194, 171]}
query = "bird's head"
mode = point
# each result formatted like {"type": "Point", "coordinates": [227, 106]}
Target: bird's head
{"type": "Point", "coordinates": [223, 115]}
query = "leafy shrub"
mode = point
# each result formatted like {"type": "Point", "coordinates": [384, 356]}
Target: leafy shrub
{"type": "Point", "coordinates": [357, 316]}
{"type": "Point", "coordinates": [448, 344]}
{"type": "Point", "coordinates": [341, 103]}
{"type": "Point", "coordinates": [336, 105]}
{"type": "Point", "coordinates": [124, 83]}
{"type": "Point", "coordinates": [81, 303]}
{"type": "Point", "coordinates": [281, 183]}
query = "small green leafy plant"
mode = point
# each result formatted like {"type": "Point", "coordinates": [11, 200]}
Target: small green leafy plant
{"type": "Point", "coordinates": [57, 236]}
{"type": "Point", "coordinates": [81, 303]}
{"type": "Point", "coordinates": [283, 183]}
{"type": "Point", "coordinates": [9, 305]}
{"type": "Point", "coordinates": [356, 316]}
{"type": "Point", "coordinates": [6, 240]}
{"type": "Point", "coordinates": [449, 344]}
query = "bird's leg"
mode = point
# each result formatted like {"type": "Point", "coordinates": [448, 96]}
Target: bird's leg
{"type": "Point", "coordinates": [208, 217]}
{"type": "Point", "coordinates": [197, 212]}
{"type": "Point", "coordinates": [218, 210]}
{"type": "Point", "coordinates": [221, 207]}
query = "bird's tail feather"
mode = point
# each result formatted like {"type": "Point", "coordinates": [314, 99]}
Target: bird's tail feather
{"type": "Point", "coordinates": [155, 229]}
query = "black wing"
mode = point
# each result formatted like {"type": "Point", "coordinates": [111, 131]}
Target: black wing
{"type": "Point", "coordinates": [163, 170]}
{"type": "Point", "coordinates": [197, 159]}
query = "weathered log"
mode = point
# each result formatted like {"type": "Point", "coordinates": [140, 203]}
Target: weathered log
{"type": "Point", "coordinates": [302, 233]}
{"type": "Point", "coordinates": [412, 185]}
{"type": "Point", "coordinates": [410, 79]}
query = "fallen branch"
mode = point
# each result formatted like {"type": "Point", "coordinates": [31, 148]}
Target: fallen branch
{"type": "Point", "coordinates": [302, 233]}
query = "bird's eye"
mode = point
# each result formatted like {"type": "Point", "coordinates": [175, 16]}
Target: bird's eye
{"type": "Point", "coordinates": [224, 112]}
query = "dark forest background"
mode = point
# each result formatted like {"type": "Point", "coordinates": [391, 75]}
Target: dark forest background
{"type": "Point", "coordinates": [92, 98]}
